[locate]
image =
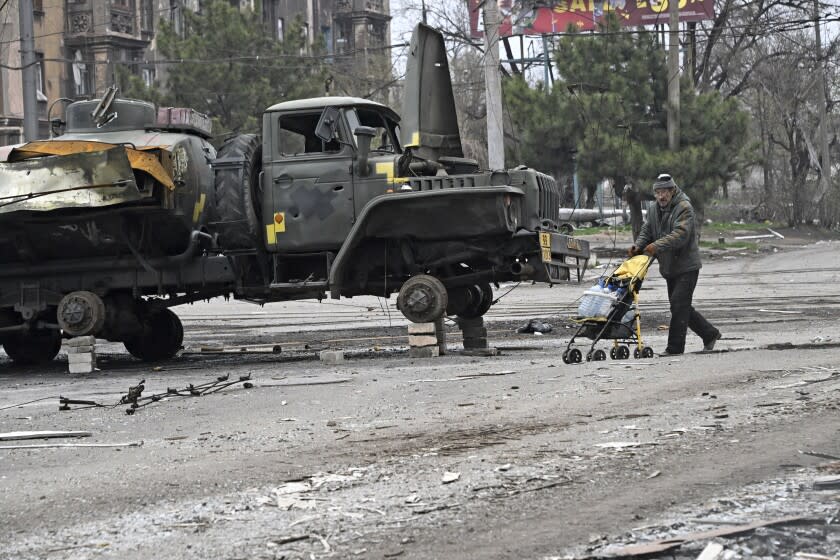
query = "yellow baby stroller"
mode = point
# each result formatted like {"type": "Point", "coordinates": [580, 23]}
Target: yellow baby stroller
{"type": "Point", "coordinates": [610, 310]}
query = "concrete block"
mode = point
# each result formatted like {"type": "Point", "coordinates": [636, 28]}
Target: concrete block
{"type": "Point", "coordinates": [80, 349]}
{"type": "Point", "coordinates": [464, 323]}
{"type": "Point", "coordinates": [475, 342]}
{"type": "Point", "coordinates": [421, 328]}
{"type": "Point", "coordinates": [421, 340]}
{"type": "Point", "coordinates": [440, 333]}
{"type": "Point", "coordinates": [81, 341]}
{"type": "Point", "coordinates": [474, 332]}
{"type": "Point", "coordinates": [331, 356]}
{"type": "Point", "coordinates": [88, 358]}
{"type": "Point", "coordinates": [81, 368]}
{"type": "Point", "coordinates": [424, 352]}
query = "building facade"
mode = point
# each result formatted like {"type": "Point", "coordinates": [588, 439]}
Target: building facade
{"type": "Point", "coordinates": [82, 44]}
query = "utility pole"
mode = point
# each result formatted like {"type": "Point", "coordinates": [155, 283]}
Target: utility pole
{"type": "Point", "coordinates": [673, 75]}
{"type": "Point", "coordinates": [28, 64]}
{"type": "Point", "coordinates": [493, 83]}
{"type": "Point", "coordinates": [825, 170]}
{"type": "Point", "coordinates": [547, 66]}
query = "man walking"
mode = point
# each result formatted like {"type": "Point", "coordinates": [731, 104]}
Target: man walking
{"type": "Point", "coordinates": [669, 235]}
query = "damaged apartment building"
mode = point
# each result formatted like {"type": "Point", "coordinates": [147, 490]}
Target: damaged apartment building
{"type": "Point", "coordinates": [78, 44]}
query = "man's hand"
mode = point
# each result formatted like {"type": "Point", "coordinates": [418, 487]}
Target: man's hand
{"type": "Point", "coordinates": [633, 251]}
{"type": "Point", "coordinates": [650, 250]}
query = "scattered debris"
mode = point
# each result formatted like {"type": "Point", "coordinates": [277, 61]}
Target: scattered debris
{"type": "Point", "coordinates": [819, 455]}
{"type": "Point", "coordinates": [759, 236]}
{"type": "Point", "coordinates": [486, 374]}
{"type": "Point", "coordinates": [308, 381]}
{"type": "Point", "coordinates": [624, 444]}
{"type": "Point", "coordinates": [654, 474]}
{"type": "Point", "coordinates": [535, 326]}
{"type": "Point", "coordinates": [780, 311]}
{"type": "Point", "coordinates": [134, 397]}
{"type": "Point", "coordinates": [712, 551]}
{"type": "Point", "coordinates": [45, 445]}
{"type": "Point", "coordinates": [826, 482]}
{"type": "Point", "coordinates": [9, 436]}
{"type": "Point", "coordinates": [331, 356]}
{"type": "Point", "coordinates": [450, 477]}
{"type": "Point", "coordinates": [668, 544]}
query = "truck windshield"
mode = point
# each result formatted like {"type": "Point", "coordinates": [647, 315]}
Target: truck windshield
{"type": "Point", "coordinates": [385, 139]}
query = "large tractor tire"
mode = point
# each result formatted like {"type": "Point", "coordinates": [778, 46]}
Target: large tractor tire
{"type": "Point", "coordinates": [36, 347]}
{"type": "Point", "coordinates": [162, 337]}
{"type": "Point", "coordinates": [237, 192]}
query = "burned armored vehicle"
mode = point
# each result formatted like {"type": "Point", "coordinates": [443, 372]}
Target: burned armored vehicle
{"type": "Point", "coordinates": [131, 212]}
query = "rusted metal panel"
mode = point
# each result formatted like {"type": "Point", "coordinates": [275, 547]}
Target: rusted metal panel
{"type": "Point", "coordinates": [79, 180]}
{"type": "Point", "coordinates": [144, 159]}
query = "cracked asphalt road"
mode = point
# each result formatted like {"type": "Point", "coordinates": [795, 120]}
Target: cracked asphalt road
{"type": "Point", "coordinates": [349, 460]}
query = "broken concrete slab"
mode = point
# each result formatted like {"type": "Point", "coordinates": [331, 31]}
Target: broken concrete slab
{"type": "Point", "coordinates": [713, 551]}
{"type": "Point", "coordinates": [422, 340]}
{"type": "Point", "coordinates": [331, 356]}
{"type": "Point", "coordinates": [424, 352]}
{"type": "Point", "coordinates": [421, 328]}
{"type": "Point", "coordinates": [81, 341]}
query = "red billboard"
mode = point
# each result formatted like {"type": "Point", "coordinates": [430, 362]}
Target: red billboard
{"type": "Point", "coordinates": [525, 18]}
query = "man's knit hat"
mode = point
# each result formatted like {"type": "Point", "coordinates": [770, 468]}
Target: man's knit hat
{"type": "Point", "coordinates": [664, 181]}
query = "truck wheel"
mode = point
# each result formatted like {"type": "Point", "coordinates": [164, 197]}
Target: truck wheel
{"type": "Point", "coordinates": [81, 313]}
{"type": "Point", "coordinates": [422, 299]}
{"type": "Point", "coordinates": [36, 347]}
{"type": "Point", "coordinates": [238, 197]}
{"type": "Point", "coordinates": [161, 338]}
{"type": "Point", "coordinates": [479, 301]}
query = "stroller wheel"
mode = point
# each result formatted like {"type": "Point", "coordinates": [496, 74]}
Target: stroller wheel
{"type": "Point", "coordinates": [614, 352]}
{"type": "Point", "coordinates": [647, 352]}
{"type": "Point", "coordinates": [566, 359]}
{"type": "Point", "coordinates": [623, 352]}
{"type": "Point", "coordinates": [599, 356]}
{"type": "Point", "coordinates": [637, 353]}
{"type": "Point", "coordinates": [575, 356]}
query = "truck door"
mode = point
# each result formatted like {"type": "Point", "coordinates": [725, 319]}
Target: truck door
{"type": "Point", "coordinates": [310, 184]}
{"type": "Point", "coordinates": [384, 149]}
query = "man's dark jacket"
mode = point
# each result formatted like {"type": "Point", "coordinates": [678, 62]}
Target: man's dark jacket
{"type": "Point", "coordinates": [671, 230]}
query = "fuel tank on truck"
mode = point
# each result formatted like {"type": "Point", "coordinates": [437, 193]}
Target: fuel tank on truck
{"type": "Point", "coordinates": [124, 179]}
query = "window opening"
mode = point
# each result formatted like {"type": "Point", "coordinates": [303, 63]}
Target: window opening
{"type": "Point", "coordinates": [297, 136]}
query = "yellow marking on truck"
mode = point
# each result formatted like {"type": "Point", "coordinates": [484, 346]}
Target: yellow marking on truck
{"type": "Point", "coordinates": [545, 239]}
{"type": "Point", "coordinates": [278, 225]}
{"type": "Point", "coordinates": [415, 140]}
{"type": "Point", "coordinates": [546, 254]}
{"type": "Point", "coordinates": [387, 168]}
{"type": "Point", "coordinates": [199, 207]}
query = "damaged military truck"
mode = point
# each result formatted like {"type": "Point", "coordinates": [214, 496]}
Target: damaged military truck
{"type": "Point", "coordinates": [131, 211]}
